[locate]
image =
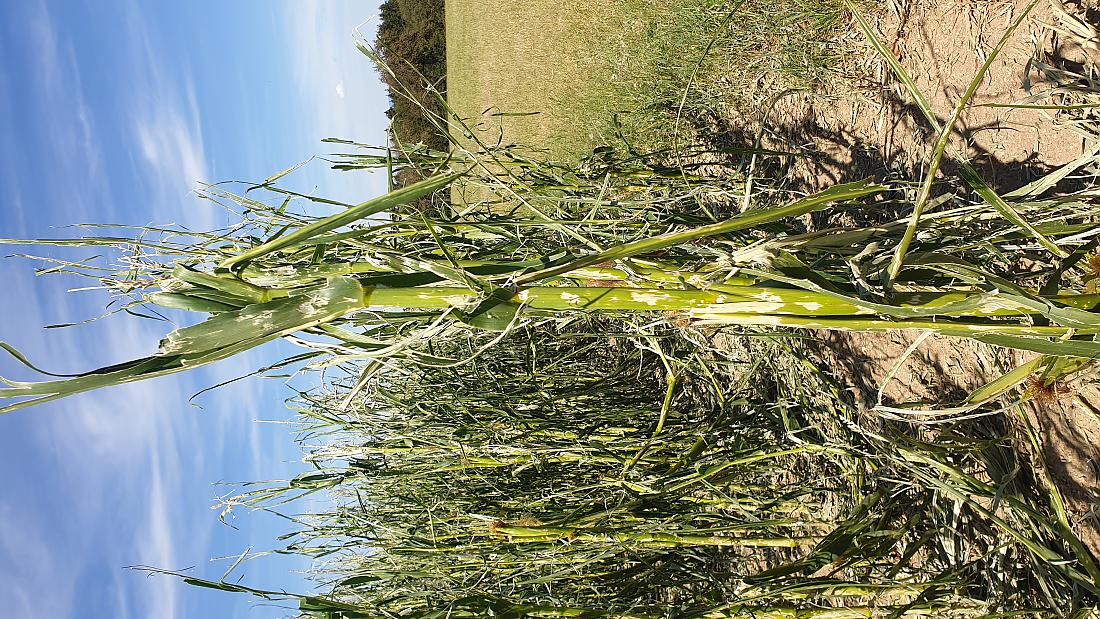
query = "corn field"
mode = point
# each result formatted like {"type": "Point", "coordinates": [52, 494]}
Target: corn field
{"type": "Point", "coordinates": [523, 410]}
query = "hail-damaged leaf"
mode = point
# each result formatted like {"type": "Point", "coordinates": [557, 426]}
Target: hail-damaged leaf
{"type": "Point", "coordinates": [267, 320]}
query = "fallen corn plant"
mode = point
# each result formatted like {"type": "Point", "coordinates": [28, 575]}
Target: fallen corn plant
{"type": "Point", "coordinates": [386, 286]}
{"type": "Point", "coordinates": [618, 234]}
{"type": "Point", "coordinates": [526, 482]}
{"type": "Point", "coordinates": [622, 488]}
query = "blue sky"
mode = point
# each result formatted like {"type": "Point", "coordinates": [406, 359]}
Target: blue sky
{"type": "Point", "coordinates": [109, 112]}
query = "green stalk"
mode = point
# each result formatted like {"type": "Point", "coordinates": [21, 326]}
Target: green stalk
{"type": "Point", "coordinates": [746, 300]}
{"type": "Point", "coordinates": [231, 332]}
{"type": "Point", "coordinates": [545, 535]}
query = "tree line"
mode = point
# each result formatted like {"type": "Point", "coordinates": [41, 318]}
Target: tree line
{"type": "Point", "coordinates": [412, 44]}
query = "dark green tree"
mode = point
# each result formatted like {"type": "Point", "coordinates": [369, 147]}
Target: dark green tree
{"type": "Point", "coordinates": [412, 44]}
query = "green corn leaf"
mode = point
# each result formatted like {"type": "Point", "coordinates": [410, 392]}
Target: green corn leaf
{"type": "Point", "coordinates": [749, 219]}
{"type": "Point", "coordinates": [268, 320]}
{"type": "Point", "coordinates": [339, 220]}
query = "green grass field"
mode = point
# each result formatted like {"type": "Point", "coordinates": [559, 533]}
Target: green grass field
{"type": "Point", "coordinates": [555, 75]}
{"type": "Point", "coordinates": [530, 57]}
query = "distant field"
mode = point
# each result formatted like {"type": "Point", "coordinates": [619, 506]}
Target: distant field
{"type": "Point", "coordinates": [545, 57]}
{"type": "Point", "coordinates": [571, 65]}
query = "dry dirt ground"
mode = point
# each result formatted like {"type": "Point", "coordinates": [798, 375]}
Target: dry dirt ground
{"type": "Point", "coordinates": [879, 133]}
{"type": "Point", "coordinates": [942, 44]}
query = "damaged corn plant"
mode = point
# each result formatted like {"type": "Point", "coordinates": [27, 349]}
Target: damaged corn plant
{"type": "Point", "coordinates": [616, 235]}
{"type": "Point", "coordinates": [379, 281]}
{"type": "Point", "coordinates": [561, 476]}
{"type": "Point", "coordinates": [532, 421]}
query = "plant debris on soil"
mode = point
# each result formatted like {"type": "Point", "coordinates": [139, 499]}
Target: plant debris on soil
{"type": "Point", "coordinates": [875, 130]}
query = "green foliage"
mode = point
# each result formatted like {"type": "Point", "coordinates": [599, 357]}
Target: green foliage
{"type": "Point", "coordinates": [706, 69]}
{"type": "Point", "coordinates": [411, 42]}
{"type": "Point", "coordinates": [584, 469]}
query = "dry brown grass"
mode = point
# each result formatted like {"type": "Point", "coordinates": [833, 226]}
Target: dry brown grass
{"type": "Point", "coordinates": [531, 57]}
{"type": "Point", "coordinates": [554, 74]}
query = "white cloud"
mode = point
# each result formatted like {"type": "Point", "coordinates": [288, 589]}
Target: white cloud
{"type": "Point", "coordinates": [157, 544]}
{"type": "Point", "coordinates": [71, 136]}
{"type": "Point", "coordinates": [171, 142]}
{"type": "Point", "coordinates": [167, 130]}
{"type": "Point", "coordinates": [48, 68]}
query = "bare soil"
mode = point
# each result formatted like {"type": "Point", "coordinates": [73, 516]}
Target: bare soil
{"type": "Point", "coordinates": [942, 44]}
{"type": "Point", "coordinates": [879, 133]}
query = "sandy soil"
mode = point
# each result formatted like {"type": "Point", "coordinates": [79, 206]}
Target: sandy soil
{"type": "Point", "coordinates": [943, 43]}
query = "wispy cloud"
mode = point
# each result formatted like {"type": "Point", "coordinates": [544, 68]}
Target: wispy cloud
{"type": "Point", "coordinates": [157, 542]}
{"type": "Point", "coordinates": [34, 568]}
{"type": "Point", "coordinates": [70, 134]}
{"type": "Point", "coordinates": [167, 127]}
{"type": "Point", "coordinates": [170, 141]}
